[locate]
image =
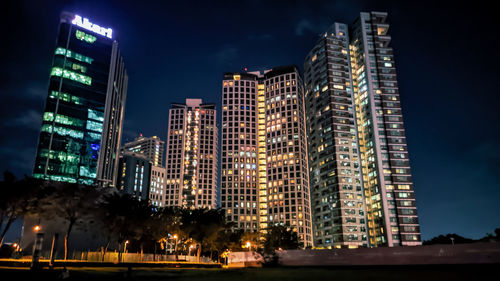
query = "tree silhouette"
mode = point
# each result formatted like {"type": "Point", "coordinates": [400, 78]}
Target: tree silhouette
{"type": "Point", "coordinates": [19, 198]}
{"type": "Point", "coordinates": [280, 237]}
{"type": "Point", "coordinates": [123, 217]}
{"type": "Point", "coordinates": [75, 204]}
{"type": "Point", "coordinates": [204, 226]}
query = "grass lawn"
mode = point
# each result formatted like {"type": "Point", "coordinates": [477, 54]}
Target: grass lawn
{"type": "Point", "coordinates": [461, 272]}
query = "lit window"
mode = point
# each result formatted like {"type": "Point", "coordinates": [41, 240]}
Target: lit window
{"type": "Point", "coordinates": [85, 37]}
{"type": "Point", "coordinates": [57, 71]}
{"type": "Point", "coordinates": [70, 54]}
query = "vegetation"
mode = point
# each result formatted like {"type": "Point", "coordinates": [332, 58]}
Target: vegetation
{"type": "Point", "coordinates": [126, 222]}
{"type": "Point", "coordinates": [280, 237]}
{"type": "Point", "coordinates": [457, 239]}
{"type": "Point", "coordinates": [19, 198]}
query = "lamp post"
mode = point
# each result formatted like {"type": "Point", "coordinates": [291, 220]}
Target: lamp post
{"type": "Point", "coordinates": [37, 247]}
{"type": "Point", "coordinates": [175, 247]}
{"type": "Point", "coordinates": [190, 248]}
{"type": "Point", "coordinates": [126, 243]}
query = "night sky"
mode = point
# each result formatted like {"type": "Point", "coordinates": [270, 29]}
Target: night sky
{"type": "Point", "coordinates": [446, 57]}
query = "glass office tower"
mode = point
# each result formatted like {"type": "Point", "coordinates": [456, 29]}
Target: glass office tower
{"type": "Point", "coordinates": [82, 121]}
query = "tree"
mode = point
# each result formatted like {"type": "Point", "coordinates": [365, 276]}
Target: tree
{"type": "Point", "coordinates": [165, 221]}
{"type": "Point", "coordinates": [123, 217]}
{"type": "Point", "coordinates": [447, 239]}
{"type": "Point", "coordinates": [280, 237]}
{"type": "Point", "coordinates": [75, 204]}
{"type": "Point", "coordinates": [204, 226]}
{"type": "Point", "coordinates": [253, 238]}
{"type": "Point", "coordinates": [19, 197]}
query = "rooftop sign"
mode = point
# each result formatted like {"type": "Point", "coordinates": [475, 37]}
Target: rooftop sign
{"type": "Point", "coordinates": [85, 23]}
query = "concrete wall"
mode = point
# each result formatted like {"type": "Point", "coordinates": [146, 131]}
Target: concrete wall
{"type": "Point", "coordinates": [434, 254]}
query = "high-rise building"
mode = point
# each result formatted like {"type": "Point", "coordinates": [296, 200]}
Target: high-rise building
{"type": "Point", "coordinates": [338, 204]}
{"type": "Point", "coordinates": [391, 210]}
{"type": "Point", "coordinates": [191, 157]}
{"type": "Point", "coordinates": [264, 153]}
{"type": "Point", "coordinates": [152, 147]}
{"type": "Point", "coordinates": [139, 177]}
{"type": "Point", "coordinates": [239, 151]}
{"type": "Point", "coordinates": [134, 174]}
{"type": "Point", "coordinates": [82, 121]}
{"type": "Point", "coordinates": [157, 186]}
{"type": "Point", "coordinates": [357, 141]}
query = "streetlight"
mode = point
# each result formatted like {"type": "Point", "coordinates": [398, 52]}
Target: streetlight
{"type": "Point", "coordinates": [175, 247]}
{"type": "Point", "coordinates": [249, 246]}
{"type": "Point", "coordinates": [190, 248]}
{"type": "Point", "coordinates": [125, 250]}
{"type": "Point", "coordinates": [37, 228]}
{"type": "Point", "coordinates": [452, 241]}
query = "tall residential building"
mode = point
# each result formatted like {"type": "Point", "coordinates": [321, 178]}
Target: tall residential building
{"type": "Point", "coordinates": [151, 147]}
{"type": "Point", "coordinates": [264, 152]}
{"type": "Point", "coordinates": [391, 210]}
{"type": "Point", "coordinates": [338, 204]}
{"type": "Point", "coordinates": [239, 151]}
{"type": "Point", "coordinates": [357, 141]}
{"type": "Point", "coordinates": [82, 121]}
{"type": "Point", "coordinates": [191, 169]}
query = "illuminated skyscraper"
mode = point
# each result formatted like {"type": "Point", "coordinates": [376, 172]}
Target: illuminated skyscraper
{"type": "Point", "coordinates": [151, 147]}
{"type": "Point", "coordinates": [82, 121]}
{"type": "Point", "coordinates": [239, 154]}
{"type": "Point", "coordinates": [191, 161]}
{"type": "Point", "coordinates": [357, 140]}
{"type": "Point", "coordinates": [264, 152]}
{"type": "Point", "coordinates": [338, 205]}
{"type": "Point", "coordinates": [391, 210]}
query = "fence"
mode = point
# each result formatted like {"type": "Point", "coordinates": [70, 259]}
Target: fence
{"type": "Point", "coordinates": [133, 257]}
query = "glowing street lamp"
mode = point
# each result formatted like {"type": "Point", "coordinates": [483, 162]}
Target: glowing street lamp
{"type": "Point", "coordinates": [190, 248]}
{"type": "Point", "coordinates": [249, 245]}
{"type": "Point", "coordinates": [126, 243]}
{"type": "Point", "coordinates": [37, 228]}
{"type": "Point", "coordinates": [175, 247]}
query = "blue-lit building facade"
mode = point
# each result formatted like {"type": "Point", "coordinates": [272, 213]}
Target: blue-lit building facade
{"type": "Point", "coordinates": [82, 121]}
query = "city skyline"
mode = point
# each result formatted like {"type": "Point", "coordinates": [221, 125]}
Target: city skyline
{"type": "Point", "coordinates": [230, 62]}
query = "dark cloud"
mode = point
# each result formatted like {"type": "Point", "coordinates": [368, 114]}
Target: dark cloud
{"type": "Point", "coordinates": [29, 120]}
{"type": "Point", "coordinates": [227, 55]}
{"type": "Point", "coordinates": [304, 26]}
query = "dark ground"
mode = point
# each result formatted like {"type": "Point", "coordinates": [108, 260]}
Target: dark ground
{"type": "Point", "coordinates": [407, 273]}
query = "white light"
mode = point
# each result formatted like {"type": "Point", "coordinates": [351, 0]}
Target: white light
{"type": "Point", "coordinates": [85, 23]}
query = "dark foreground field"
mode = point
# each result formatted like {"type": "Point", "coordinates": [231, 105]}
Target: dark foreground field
{"type": "Point", "coordinates": [407, 273]}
